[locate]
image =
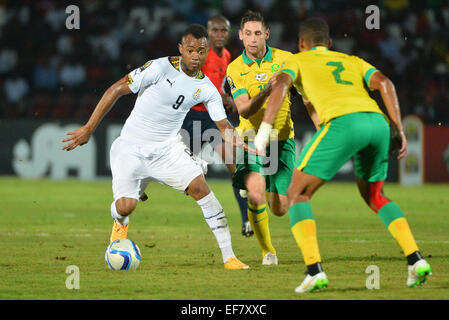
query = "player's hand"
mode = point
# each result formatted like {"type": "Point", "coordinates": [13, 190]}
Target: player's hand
{"type": "Point", "coordinates": [262, 137]}
{"type": "Point", "coordinates": [398, 142]}
{"type": "Point", "coordinates": [239, 143]}
{"type": "Point", "coordinates": [77, 138]}
{"type": "Point", "coordinates": [273, 79]}
{"type": "Point", "coordinates": [233, 138]}
{"type": "Point", "coordinates": [403, 151]}
{"type": "Point", "coordinates": [248, 149]}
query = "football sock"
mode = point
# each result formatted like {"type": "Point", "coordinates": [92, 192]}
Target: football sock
{"type": "Point", "coordinates": [242, 204]}
{"type": "Point", "coordinates": [258, 217]}
{"type": "Point", "coordinates": [303, 227]}
{"type": "Point", "coordinates": [314, 269]}
{"type": "Point", "coordinates": [394, 220]}
{"type": "Point", "coordinates": [216, 219]}
{"type": "Point", "coordinates": [414, 257]}
{"type": "Point", "coordinates": [123, 220]}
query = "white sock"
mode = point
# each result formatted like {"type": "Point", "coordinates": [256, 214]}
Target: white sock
{"type": "Point", "coordinates": [216, 219]}
{"type": "Point", "coordinates": [123, 220]}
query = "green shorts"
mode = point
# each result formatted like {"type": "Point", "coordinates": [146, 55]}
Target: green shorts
{"type": "Point", "coordinates": [277, 166]}
{"type": "Point", "coordinates": [364, 136]}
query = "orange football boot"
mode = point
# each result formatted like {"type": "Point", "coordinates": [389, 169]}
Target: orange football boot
{"type": "Point", "coordinates": [235, 264]}
{"type": "Point", "coordinates": [118, 231]}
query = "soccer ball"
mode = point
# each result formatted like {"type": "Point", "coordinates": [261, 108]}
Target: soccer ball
{"type": "Point", "coordinates": [123, 254]}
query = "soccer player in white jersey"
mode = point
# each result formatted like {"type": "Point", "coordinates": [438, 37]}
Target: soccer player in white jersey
{"type": "Point", "coordinates": [149, 147]}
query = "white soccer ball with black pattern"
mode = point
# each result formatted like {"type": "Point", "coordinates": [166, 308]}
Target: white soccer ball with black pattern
{"type": "Point", "coordinates": [123, 254]}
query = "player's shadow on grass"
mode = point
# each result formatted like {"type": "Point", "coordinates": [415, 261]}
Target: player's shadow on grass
{"type": "Point", "coordinates": [343, 290]}
{"type": "Point", "coordinates": [347, 259]}
{"type": "Point", "coordinates": [371, 258]}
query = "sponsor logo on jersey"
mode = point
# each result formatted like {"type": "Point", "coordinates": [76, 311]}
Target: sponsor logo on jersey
{"type": "Point", "coordinates": [196, 95]}
{"type": "Point", "coordinates": [171, 83]}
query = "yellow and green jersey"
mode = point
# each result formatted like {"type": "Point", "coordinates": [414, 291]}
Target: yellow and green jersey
{"type": "Point", "coordinates": [332, 81]}
{"type": "Point", "coordinates": [248, 76]}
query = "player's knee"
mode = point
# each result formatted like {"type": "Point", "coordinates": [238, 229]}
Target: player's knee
{"type": "Point", "coordinates": [198, 188]}
{"type": "Point", "coordinates": [256, 198]}
{"type": "Point", "coordinates": [125, 206]}
{"type": "Point", "coordinates": [376, 196]}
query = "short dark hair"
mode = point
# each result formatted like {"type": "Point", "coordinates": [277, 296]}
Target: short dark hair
{"type": "Point", "coordinates": [315, 30]}
{"type": "Point", "coordinates": [218, 18]}
{"type": "Point", "coordinates": [252, 16]}
{"type": "Point", "coordinates": [196, 30]}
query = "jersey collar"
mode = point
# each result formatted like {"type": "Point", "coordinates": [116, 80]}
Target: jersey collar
{"type": "Point", "coordinates": [320, 48]}
{"type": "Point", "coordinates": [176, 63]}
{"type": "Point", "coordinates": [268, 56]}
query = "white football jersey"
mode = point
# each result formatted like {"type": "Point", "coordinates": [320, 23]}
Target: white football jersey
{"type": "Point", "coordinates": [165, 95]}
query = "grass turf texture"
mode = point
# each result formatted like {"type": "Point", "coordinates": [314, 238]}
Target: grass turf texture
{"type": "Point", "coordinates": [49, 225]}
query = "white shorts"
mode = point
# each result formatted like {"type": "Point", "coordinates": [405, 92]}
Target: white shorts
{"type": "Point", "coordinates": [134, 165]}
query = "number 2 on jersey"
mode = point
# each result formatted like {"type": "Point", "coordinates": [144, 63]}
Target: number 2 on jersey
{"type": "Point", "coordinates": [178, 102]}
{"type": "Point", "coordinates": [337, 71]}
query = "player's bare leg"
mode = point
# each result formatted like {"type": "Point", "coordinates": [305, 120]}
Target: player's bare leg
{"type": "Point", "coordinates": [303, 227]}
{"type": "Point", "coordinates": [278, 203]}
{"type": "Point", "coordinates": [302, 187]}
{"type": "Point", "coordinates": [216, 219]}
{"type": "Point", "coordinates": [258, 215]}
{"type": "Point", "coordinates": [227, 154]}
{"type": "Point", "coordinates": [394, 220]}
{"type": "Point", "coordinates": [120, 210]}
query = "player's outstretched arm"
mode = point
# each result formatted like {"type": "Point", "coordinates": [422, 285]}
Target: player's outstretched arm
{"type": "Point", "coordinates": [82, 135]}
{"type": "Point", "coordinates": [279, 90]}
{"type": "Point", "coordinates": [248, 107]}
{"type": "Point", "coordinates": [231, 136]}
{"type": "Point", "coordinates": [387, 90]}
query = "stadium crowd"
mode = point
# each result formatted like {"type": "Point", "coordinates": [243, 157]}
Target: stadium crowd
{"type": "Point", "coordinates": [48, 71]}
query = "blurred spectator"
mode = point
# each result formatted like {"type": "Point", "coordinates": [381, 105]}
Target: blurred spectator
{"type": "Point", "coordinates": [56, 16]}
{"type": "Point", "coordinates": [263, 6]}
{"type": "Point", "coordinates": [15, 89]}
{"type": "Point", "coordinates": [72, 73]}
{"type": "Point", "coordinates": [138, 26]}
{"type": "Point", "coordinates": [45, 76]}
{"type": "Point", "coordinates": [65, 45]}
{"type": "Point", "coordinates": [8, 60]}
{"type": "Point", "coordinates": [106, 44]}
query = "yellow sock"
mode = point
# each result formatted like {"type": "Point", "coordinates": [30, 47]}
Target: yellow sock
{"type": "Point", "coordinates": [400, 230]}
{"type": "Point", "coordinates": [258, 217]}
{"type": "Point", "coordinates": [304, 233]}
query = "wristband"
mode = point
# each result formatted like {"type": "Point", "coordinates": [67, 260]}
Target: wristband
{"type": "Point", "coordinates": [263, 135]}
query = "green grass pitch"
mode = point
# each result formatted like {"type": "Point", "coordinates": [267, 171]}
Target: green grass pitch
{"type": "Point", "coordinates": [50, 225]}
